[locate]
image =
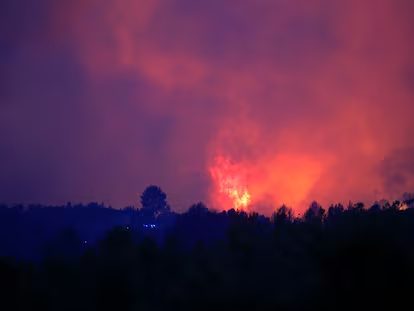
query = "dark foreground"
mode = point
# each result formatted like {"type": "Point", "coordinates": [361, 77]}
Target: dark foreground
{"type": "Point", "coordinates": [341, 259]}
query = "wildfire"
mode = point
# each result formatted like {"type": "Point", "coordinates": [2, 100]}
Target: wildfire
{"type": "Point", "coordinates": [230, 181]}
{"type": "Point", "coordinates": [264, 182]}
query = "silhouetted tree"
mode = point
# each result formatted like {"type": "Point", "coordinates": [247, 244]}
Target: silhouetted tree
{"type": "Point", "coordinates": [375, 208]}
{"type": "Point", "coordinates": [315, 213]}
{"type": "Point", "coordinates": [356, 207]}
{"type": "Point", "coordinates": [204, 260]}
{"type": "Point", "coordinates": [335, 211]}
{"type": "Point", "coordinates": [198, 209]}
{"type": "Point", "coordinates": [408, 199]}
{"type": "Point", "coordinates": [283, 215]}
{"type": "Point", "coordinates": [154, 202]}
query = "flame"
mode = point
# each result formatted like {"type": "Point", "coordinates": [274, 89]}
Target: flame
{"type": "Point", "coordinates": [265, 182]}
{"type": "Point", "coordinates": [230, 180]}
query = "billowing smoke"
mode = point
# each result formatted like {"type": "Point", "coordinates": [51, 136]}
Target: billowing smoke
{"type": "Point", "coordinates": [288, 101]}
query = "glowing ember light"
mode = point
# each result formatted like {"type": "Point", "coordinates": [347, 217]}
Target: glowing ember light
{"type": "Point", "coordinates": [403, 207]}
{"type": "Point", "coordinates": [230, 181]}
{"type": "Point", "coordinates": [265, 182]}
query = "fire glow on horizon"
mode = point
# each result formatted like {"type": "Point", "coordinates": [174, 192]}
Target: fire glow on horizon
{"type": "Point", "coordinates": [263, 183]}
{"type": "Point", "coordinates": [230, 182]}
{"type": "Point", "coordinates": [279, 102]}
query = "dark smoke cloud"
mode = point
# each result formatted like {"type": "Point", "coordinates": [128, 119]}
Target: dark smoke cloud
{"type": "Point", "coordinates": [100, 98]}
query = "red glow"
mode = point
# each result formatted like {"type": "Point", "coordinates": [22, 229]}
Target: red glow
{"type": "Point", "coordinates": [271, 181]}
{"type": "Point", "coordinates": [273, 101]}
{"type": "Point", "coordinates": [230, 184]}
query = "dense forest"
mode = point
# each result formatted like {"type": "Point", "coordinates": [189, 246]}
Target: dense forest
{"type": "Point", "coordinates": [92, 257]}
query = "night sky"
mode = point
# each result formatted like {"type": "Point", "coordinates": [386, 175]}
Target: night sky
{"type": "Point", "coordinates": [247, 103]}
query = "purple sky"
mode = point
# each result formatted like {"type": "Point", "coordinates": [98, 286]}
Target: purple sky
{"type": "Point", "coordinates": [306, 99]}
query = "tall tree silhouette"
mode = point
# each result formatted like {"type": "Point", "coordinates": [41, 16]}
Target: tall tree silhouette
{"type": "Point", "coordinates": [283, 215]}
{"type": "Point", "coordinates": [315, 213]}
{"type": "Point", "coordinates": [154, 202]}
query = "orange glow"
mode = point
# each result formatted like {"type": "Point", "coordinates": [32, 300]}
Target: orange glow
{"type": "Point", "coordinates": [230, 182]}
{"type": "Point", "coordinates": [270, 181]}
{"type": "Point", "coordinates": [299, 115]}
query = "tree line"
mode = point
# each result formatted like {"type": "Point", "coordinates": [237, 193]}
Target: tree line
{"type": "Point", "coordinates": [97, 258]}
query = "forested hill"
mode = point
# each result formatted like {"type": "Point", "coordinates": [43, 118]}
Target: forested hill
{"type": "Point", "coordinates": [97, 258]}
